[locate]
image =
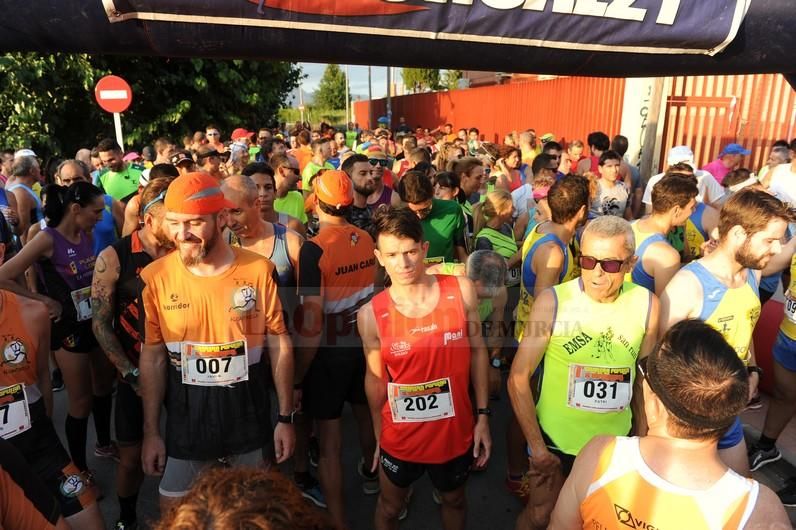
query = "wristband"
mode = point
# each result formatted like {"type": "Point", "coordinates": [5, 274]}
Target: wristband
{"type": "Point", "coordinates": [285, 419]}
{"type": "Point", "coordinates": [484, 411]}
{"type": "Point", "coordinates": [755, 369]}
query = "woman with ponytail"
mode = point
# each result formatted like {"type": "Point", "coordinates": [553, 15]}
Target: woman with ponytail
{"type": "Point", "coordinates": [64, 258]}
{"type": "Point", "coordinates": [493, 231]}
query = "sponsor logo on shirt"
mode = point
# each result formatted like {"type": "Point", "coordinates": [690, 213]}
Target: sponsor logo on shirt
{"type": "Point", "coordinates": [400, 348]}
{"type": "Point", "coordinates": [72, 486]}
{"type": "Point", "coordinates": [624, 516]}
{"type": "Point", "coordinates": [175, 303]}
{"type": "Point", "coordinates": [70, 252]}
{"type": "Point", "coordinates": [451, 336]}
{"type": "Point", "coordinates": [353, 267]}
{"type": "Point", "coordinates": [424, 329]}
{"type": "Point", "coordinates": [14, 352]}
{"type": "Point", "coordinates": [244, 298]}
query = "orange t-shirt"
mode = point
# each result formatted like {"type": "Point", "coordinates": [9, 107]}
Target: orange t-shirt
{"type": "Point", "coordinates": [20, 348]}
{"type": "Point", "coordinates": [303, 156]}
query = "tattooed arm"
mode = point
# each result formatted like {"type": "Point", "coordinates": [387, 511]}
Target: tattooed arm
{"type": "Point", "coordinates": [103, 291]}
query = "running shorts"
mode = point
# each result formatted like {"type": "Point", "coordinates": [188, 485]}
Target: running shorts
{"type": "Point", "coordinates": [42, 448]}
{"type": "Point", "coordinates": [733, 436]}
{"type": "Point", "coordinates": [784, 351]}
{"type": "Point", "coordinates": [448, 476]}
{"type": "Point", "coordinates": [73, 337]}
{"type": "Point", "coordinates": [335, 376]}
{"type": "Point", "coordinates": [180, 474]}
{"type": "Point", "coordinates": [128, 415]}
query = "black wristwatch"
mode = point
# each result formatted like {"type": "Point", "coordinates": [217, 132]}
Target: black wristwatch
{"type": "Point", "coordinates": [131, 377]}
{"type": "Point", "coordinates": [495, 362]}
{"type": "Point", "coordinates": [755, 369]}
{"type": "Point", "coordinates": [285, 419]}
{"type": "Point", "coordinates": [484, 412]}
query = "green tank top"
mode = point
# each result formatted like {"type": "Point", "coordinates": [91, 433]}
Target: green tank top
{"type": "Point", "coordinates": [590, 365]}
{"type": "Point", "coordinates": [506, 247]}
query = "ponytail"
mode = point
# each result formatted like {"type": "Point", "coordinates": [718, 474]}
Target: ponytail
{"type": "Point", "coordinates": [495, 203]}
{"type": "Point", "coordinates": [57, 199]}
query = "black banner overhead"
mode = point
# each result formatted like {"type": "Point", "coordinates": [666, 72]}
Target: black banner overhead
{"type": "Point", "coordinates": [624, 38]}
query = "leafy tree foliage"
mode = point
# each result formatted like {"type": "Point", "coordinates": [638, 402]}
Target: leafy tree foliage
{"type": "Point", "coordinates": [47, 101]}
{"type": "Point", "coordinates": [450, 79]}
{"type": "Point", "coordinates": [331, 89]}
{"type": "Point", "coordinates": [421, 79]}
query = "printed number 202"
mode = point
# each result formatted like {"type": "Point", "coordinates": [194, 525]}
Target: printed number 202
{"type": "Point", "coordinates": [212, 365]}
{"type": "Point", "coordinates": [421, 403]}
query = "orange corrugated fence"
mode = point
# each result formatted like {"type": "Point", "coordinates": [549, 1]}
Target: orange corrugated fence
{"type": "Point", "coordinates": [569, 107]}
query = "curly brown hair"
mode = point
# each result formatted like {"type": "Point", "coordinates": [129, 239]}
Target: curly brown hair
{"type": "Point", "coordinates": [243, 498]}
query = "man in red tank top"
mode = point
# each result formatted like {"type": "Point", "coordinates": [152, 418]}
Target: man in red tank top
{"type": "Point", "coordinates": [598, 144]}
{"type": "Point", "coordinates": [423, 348]}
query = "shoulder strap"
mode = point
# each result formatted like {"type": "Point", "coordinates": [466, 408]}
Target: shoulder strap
{"type": "Point", "coordinates": [28, 189]}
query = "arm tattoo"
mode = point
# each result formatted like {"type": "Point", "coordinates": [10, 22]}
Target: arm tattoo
{"type": "Point", "coordinates": [102, 323]}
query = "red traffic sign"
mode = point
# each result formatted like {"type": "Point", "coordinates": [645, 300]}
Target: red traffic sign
{"type": "Point", "coordinates": [113, 94]}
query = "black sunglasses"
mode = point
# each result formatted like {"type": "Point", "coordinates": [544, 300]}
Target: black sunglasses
{"type": "Point", "coordinates": [378, 162]}
{"type": "Point", "coordinates": [610, 266]}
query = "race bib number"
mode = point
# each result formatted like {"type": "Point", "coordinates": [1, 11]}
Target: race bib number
{"type": "Point", "coordinates": [82, 300]}
{"type": "Point", "coordinates": [429, 401]}
{"type": "Point", "coordinates": [214, 364]}
{"type": "Point", "coordinates": [790, 307]}
{"type": "Point", "coordinates": [513, 276]}
{"type": "Point", "coordinates": [14, 411]}
{"type": "Point", "coordinates": [599, 389]}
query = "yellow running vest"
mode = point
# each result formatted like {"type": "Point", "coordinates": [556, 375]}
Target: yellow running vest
{"type": "Point", "coordinates": [528, 277]}
{"type": "Point", "coordinates": [590, 364]}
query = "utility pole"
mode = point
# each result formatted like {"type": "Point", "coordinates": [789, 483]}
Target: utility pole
{"type": "Point", "coordinates": [347, 97]}
{"type": "Point", "coordinates": [370, 97]}
{"type": "Point", "coordinates": [389, 97]}
{"type": "Point", "coordinates": [301, 102]}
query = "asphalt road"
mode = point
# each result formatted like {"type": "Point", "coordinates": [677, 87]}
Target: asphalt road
{"type": "Point", "coordinates": [489, 504]}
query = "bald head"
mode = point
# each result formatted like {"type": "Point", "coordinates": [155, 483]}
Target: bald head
{"type": "Point", "coordinates": [84, 155]}
{"type": "Point", "coordinates": [240, 190]}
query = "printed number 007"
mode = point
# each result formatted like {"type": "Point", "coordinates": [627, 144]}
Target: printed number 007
{"type": "Point", "coordinates": [213, 365]}
{"type": "Point", "coordinates": [421, 403]}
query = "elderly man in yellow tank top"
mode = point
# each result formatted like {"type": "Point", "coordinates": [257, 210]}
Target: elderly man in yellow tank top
{"type": "Point", "coordinates": [722, 289]}
{"type": "Point", "coordinates": [589, 333]}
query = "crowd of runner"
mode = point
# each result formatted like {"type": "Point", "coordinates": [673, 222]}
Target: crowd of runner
{"type": "Point", "coordinates": [233, 296]}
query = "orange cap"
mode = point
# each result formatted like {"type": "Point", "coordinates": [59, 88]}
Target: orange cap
{"type": "Point", "coordinates": [195, 193]}
{"type": "Point", "coordinates": [334, 188]}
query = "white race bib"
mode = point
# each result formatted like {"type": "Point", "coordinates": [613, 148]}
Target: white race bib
{"type": "Point", "coordinates": [430, 401]}
{"type": "Point", "coordinates": [14, 411]}
{"type": "Point", "coordinates": [214, 364]}
{"type": "Point", "coordinates": [790, 307]}
{"type": "Point", "coordinates": [599, 389]}
{"type": "Point", "coordinates": [513, 276]}
{"type": "Point", "coordinates": [82, 300]}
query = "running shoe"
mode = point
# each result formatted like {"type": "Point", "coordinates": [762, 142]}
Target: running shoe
{"type": "Point", "coordinates": [57, 380]}
{"type": "Point", "coordinates": [109, 451]}
{"type": "Point", "coordinates": [314, 450]}
{"type": "Point", "coordinates": [311, 490]}
{"type": "Point", "coordinates": [370, 482]}
{"type": "Point", "coordinates": [760, 457]}
{"type": "Point", "coordinates": [126, 525]}
{"type": "Point", "coordinates": [787, 495]}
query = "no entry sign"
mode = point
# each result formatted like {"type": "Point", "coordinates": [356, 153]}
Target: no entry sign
{"type": "Point", "coordinates": [113, 94]}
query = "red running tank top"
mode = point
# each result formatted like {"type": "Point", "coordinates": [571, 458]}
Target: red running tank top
{"type": "Point", "coordinates": [428, 417]}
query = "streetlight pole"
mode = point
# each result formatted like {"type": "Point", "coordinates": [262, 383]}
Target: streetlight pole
{"type": "Point", "coordinates": [347, 97]}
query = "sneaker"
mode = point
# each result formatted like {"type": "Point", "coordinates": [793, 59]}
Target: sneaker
{"type": "Point", "coordinates": [787, 495]}
{"type": "Point", "coordinates": [314, 451]}
{"type": "Point", "coordinates": [755, 403]}
{"type": "Point", "coordinates": [126, 525]}
{"type": "Point", "coordinates": [370, 483]}
{"type": "Point", "coordinates": [109, 451]}
{"type": "Point", "coordinates": [311, 490]}
{"type": "Point", "coordinates": [760, 457]}
{"type": "Point", "coordinates": [405, 512]}
{"type": "Point", "coordinates": [436, 496]}
{"type": "Point", "coordinates": [57, 380]}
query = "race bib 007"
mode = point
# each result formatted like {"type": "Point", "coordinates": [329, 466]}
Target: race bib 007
{"type": "Point", "coordinates": [82, 300]}
{"type": "Point", "coordinates": [430, 401]}
{"type": "Point", "coordinates": [214, 364]}
{"type": "Point", "coordinates": [599, 389]}
{"type": "Point", "coordinates": [14, 411]}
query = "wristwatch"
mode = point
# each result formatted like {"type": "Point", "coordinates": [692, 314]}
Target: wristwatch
{"type": "Point", "coordinates": [285, 419]}
{"type": "Point", "coordinates": [755, 369]}
{"type": "Point", "coordinates": [485, 412]}
{"type": "Point", "coordinates": [131, 377]}
{"type": "Point", "coordinates": [496, 362]}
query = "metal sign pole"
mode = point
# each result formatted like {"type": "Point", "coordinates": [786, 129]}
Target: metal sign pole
{"type": "Point", "coordinates": [117, 124]}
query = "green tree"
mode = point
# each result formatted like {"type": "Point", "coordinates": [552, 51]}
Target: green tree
{"type": "Point", "coordinates": [47, 101]}
{"type": "Point", "coordinates": [331, 90]}
{"type": "Point", "coordinates": [450, 79]}
{"type": "Point", "coordinates": [421, 79]}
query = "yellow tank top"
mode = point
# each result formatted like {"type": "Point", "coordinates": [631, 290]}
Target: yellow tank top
{"type": "Point", "coordinates": [788, 325]}
{"type": "Point", "coordinates": [528, 278]}
{"type": "Point", "coordinates": [732, 312]}
{"type": "Point", "coordinates": [590, 364]}
{"type": "Point", "coordinates": [695, 235]}
{"type": "Point", "coordinates": [626, 493]}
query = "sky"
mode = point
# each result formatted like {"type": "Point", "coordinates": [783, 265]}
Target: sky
{"type": "Point", "coordinates": [358, 79]}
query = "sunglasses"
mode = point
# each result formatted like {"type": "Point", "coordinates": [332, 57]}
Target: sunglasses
{"type": "Point", "coordinates": [211, 134]}
{"type": "Point", "coordinates": [610, 266]}
{"type": "Point", "coordinates": [378, 162]}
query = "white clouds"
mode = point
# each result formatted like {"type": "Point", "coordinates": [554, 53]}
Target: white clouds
{"type": "Point", "coordinates": [358, 79]}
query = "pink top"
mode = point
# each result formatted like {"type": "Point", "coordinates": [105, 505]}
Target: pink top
{"type": "Point", "coordinates": [717, 169]}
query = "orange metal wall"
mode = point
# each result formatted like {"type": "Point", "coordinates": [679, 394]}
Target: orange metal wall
{"type": "Point", "coordinates": [708, 112]}
{"type": "Point", "coordinates": [570, 108]}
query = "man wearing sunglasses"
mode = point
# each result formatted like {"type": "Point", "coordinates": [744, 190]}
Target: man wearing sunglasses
{"type": "Point", "coordinates": [694, 385]}
{"type": "Point", "coordinates": [588, 334]}
{"type": "Point", "coordinates": [213, 136]}
{"type": "Point", "coordinates": [382, 178]}
{"type": "Point", "coordinates": [288, 199]}
{"type": "Point", "coordinates": [722, 289]}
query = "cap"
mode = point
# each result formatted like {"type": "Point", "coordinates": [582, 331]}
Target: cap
{"type": "Point", "coordinates": [334, 188]}
{"type": "Point", "coordinates": [206, 151]}
{"type": "Point", "coordinates": [382, 119]}
{"type": "Point", "coordinates": [547, 137]}
{"type": "Point", "coordinates": [734, 149]}
{"type": "Point", "coordinates": [681, 154]}
{"type": "Point", "coordinates": [375, 151]}
{"type": "Point", "coordinates": [240, 132]}
{"type": "Point", "coordinates": [195, 193]}
{"type": "Point", "coordinates": [541, 193]}
{"type": "Point", "coordinates": [132, 155]}
{"type": "Point", "coordinates": [24, 152]}
{"type": "Point", "coordinates": [179, 157]}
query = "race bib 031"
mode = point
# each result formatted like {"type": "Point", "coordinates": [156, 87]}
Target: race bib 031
{"type": "Point", "coordinates": [430, 401]}
{"type": "Point", "coordinates": [599, 389]}
{"type": "Point", "coordinates": [214, 364]}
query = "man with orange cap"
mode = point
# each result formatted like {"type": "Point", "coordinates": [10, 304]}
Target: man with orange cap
{"type": "Point", "coordinates": [336, 275]}
{"type": "Point", "coordinates": [211, 313]}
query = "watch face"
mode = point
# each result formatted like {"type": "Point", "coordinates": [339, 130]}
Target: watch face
{"type": "Point", "coordinates": [496, 363]}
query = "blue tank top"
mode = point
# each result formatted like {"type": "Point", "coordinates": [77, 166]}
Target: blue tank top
{"type": "Point", "coordinates": [36, 214]}
{"type": "Point", "coordinates": [639, 275]}
{"type": "Point", "coordinates": [105, 230]}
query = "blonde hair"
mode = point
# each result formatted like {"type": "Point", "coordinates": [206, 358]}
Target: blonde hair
{"type": "Point", "coordinates": [496, 203]}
